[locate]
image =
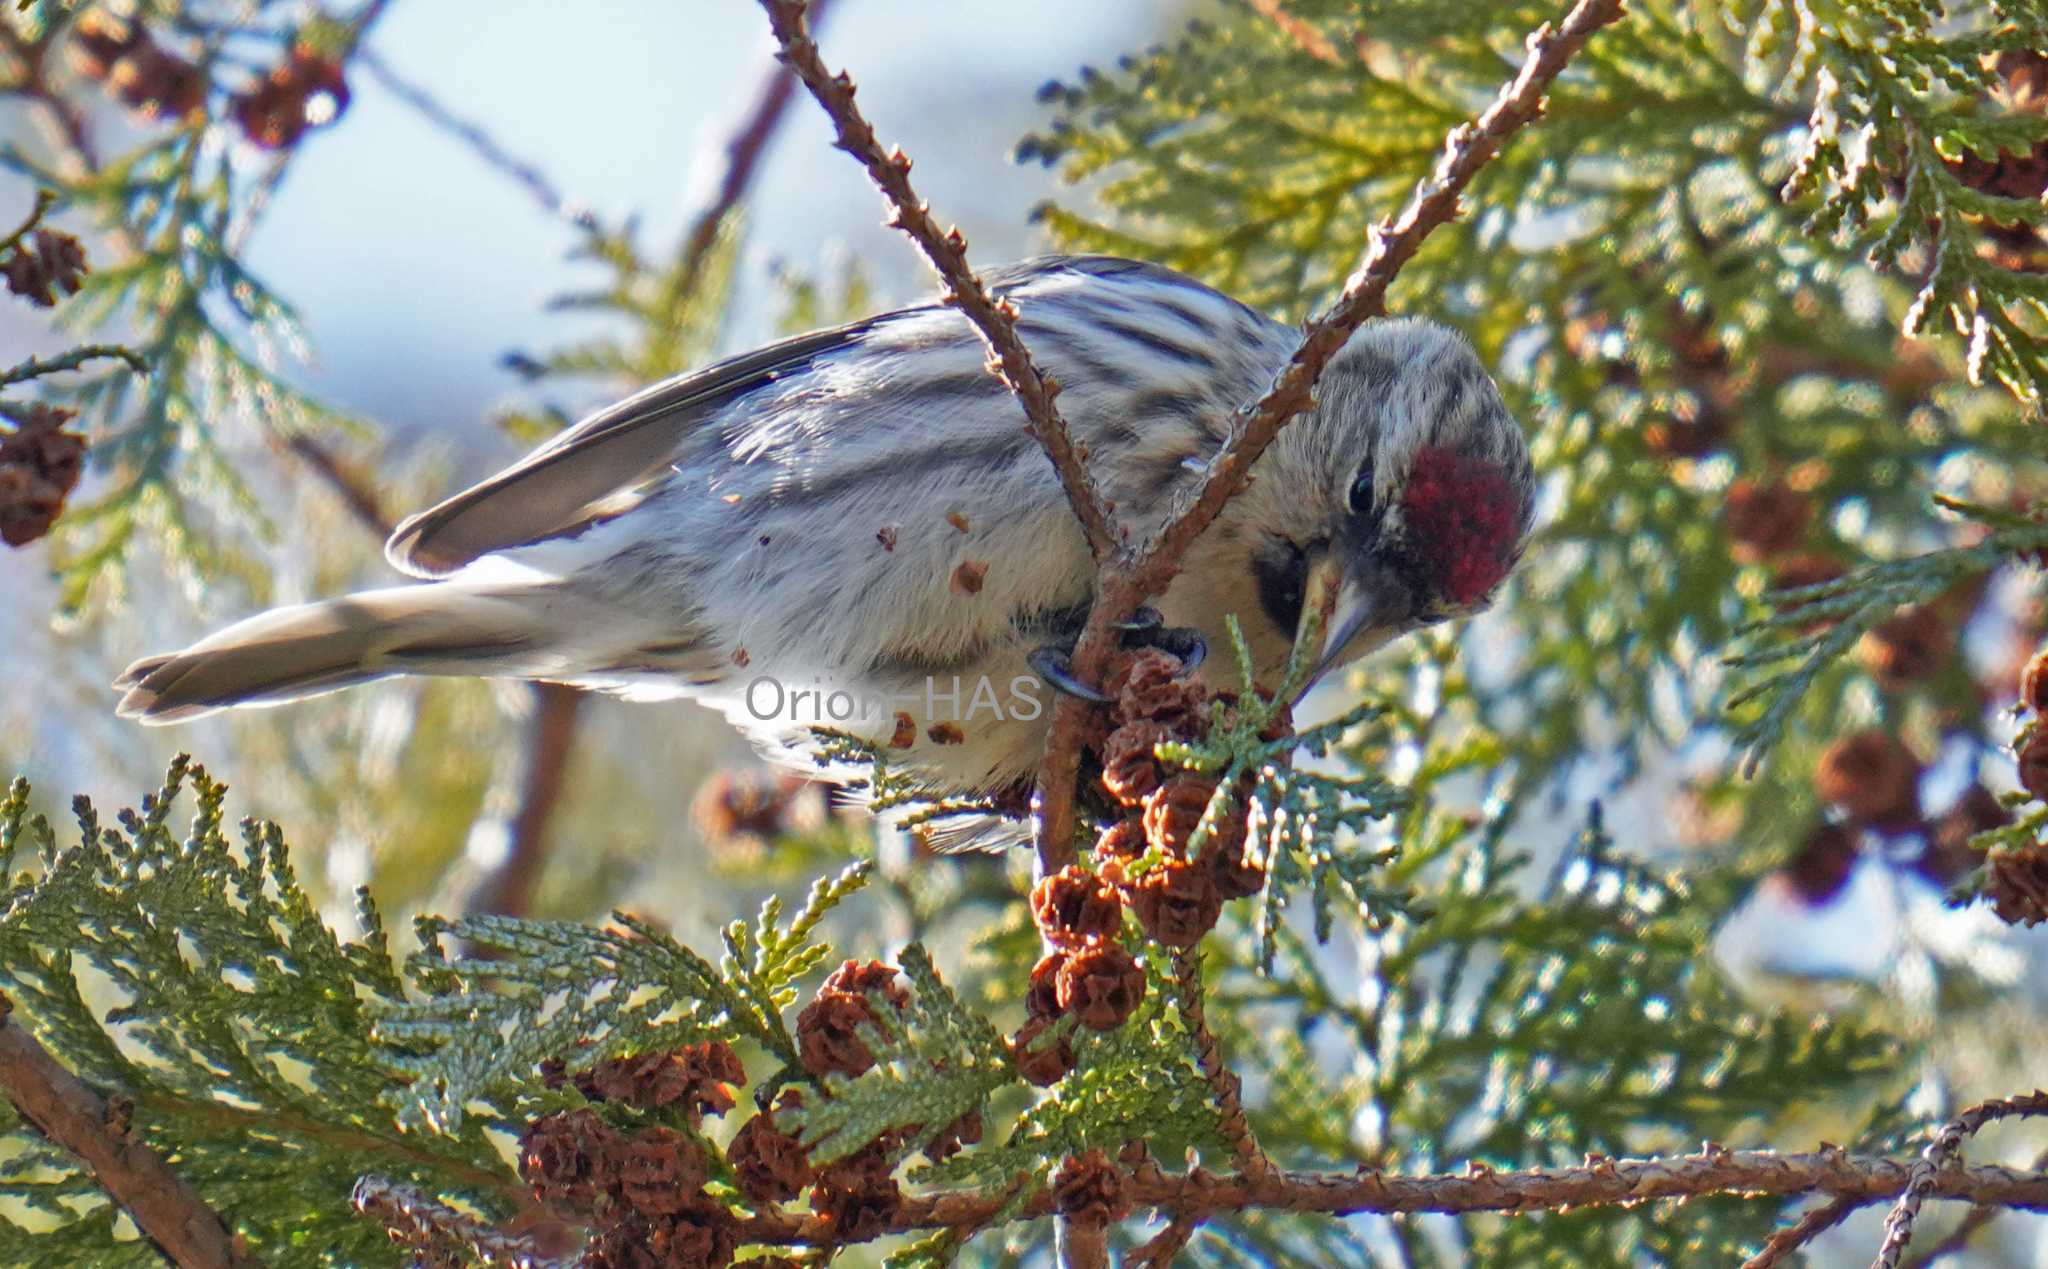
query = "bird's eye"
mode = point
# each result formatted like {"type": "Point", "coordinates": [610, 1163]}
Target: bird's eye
{"type": "Point", "coordinates": [1361, 489]}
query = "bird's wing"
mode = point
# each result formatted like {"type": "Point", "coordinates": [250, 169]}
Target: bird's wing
{"type": "Point", "coordinates": [576, 477]}
{"type": "Point", "coordinates": [580, 476]}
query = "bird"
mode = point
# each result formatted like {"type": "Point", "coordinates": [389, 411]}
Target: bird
{"type": "Point", "coordinates": [853, 529]}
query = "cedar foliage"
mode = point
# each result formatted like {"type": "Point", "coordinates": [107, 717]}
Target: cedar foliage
{"type": "Point", "coordinates": [1765, 284]}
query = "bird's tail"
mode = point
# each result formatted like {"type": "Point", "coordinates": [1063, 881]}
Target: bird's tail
{"type": "Point", "coordinates": [289, 653]}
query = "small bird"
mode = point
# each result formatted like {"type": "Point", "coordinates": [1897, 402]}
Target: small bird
{"type": "Point", "coordinates": [853, 529]}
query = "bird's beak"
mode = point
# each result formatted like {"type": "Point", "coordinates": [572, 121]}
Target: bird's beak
{"type": "Point", "coordinates": [1348, 604]}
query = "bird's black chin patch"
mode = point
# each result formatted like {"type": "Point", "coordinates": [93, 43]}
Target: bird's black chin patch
{"type": "Point", "coordinates": [1281, 570]}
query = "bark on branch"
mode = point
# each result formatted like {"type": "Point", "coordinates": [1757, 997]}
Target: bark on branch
{"type": "Point", "coordinates": [1599, 1182]}
{"type": "Point", "coordinates": [1940, 1154]}
{"type": "Point", "coordinates": [168, 1211]}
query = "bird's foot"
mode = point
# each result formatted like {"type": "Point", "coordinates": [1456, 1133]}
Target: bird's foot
{"type": "Point", "coordinates": [1145, 629]}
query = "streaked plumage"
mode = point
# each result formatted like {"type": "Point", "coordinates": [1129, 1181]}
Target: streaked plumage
{"type": "Point", "coordinates": [802, 514]}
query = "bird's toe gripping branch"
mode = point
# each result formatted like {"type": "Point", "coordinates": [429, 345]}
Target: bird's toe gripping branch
{"type": "Point", "coordinates": [1053, 662]}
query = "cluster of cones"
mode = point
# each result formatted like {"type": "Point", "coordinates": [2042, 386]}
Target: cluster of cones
{"type": "Point", "coordinates": [304, 91]}
{"type": "Point", "coordinates": [633, 1165]}
{"type": "Point", "coordinates": [40, 464]}
{"type": "Point", "coordinates": [1143, 861]}
{"type": "Point", "coordinates": [1871, 779]}
{"type": "Point", "coordinates": [44, 266]}
{"type": "Point", "coordinates": [640, 1188]}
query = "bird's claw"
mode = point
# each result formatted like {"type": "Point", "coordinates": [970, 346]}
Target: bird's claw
{"type": "Point", "coordinates": [1182, 642]}
{"type": "Point", "coordinates": [1145, 619]}
{"type": "Point", "coordinates": [1054, 664]}
{"type": "Point", "coordinates": [1145, 629]}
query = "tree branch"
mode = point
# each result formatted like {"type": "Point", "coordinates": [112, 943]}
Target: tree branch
{"type": "Point", "coordinates": [1812, 1225]}
{"type": "Point", "coordinates": [356, 495]}
{"type": "Point", "coordinates": [1600, 1182]}
{"type": "Point", "coordinates": [743, 150]}
{"type": "Point", "coordinates": [74, 359]}
{"type": "Point", "coordinates": [436, 1233]}
{"type": "Point", "coordinates": [995, 319]}
{"type": "Point", "coordinates": [1228, 1089]}
{"type": "Point", "coordinates": [1967, 1228]}
{"type": "Point", "coordinates": [1158, 1252]}
{"type": "Point", "coordinates": [166, 1209]}
{"type": "Point", "coordinates": [1939, 1155]}
{"type": "Point", "coordinates": [1392, 244]}
{"type": "Point", "coordinates": [509, 888]}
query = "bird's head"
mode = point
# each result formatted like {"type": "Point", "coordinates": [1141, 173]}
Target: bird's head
{"type": "Point", "coordinates": [1406, 489]}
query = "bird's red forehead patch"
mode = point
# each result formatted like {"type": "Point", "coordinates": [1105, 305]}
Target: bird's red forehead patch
{"type": "Point", "coordinates": [1464, 514]}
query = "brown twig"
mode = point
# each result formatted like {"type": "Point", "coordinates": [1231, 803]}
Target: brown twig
{"type": "Point", "coordinates": [1392, 244]}
{"type": "Point", "coordinates": [1597, 1183]}
{"type": "Point", "coordinates": [509, 888]}
{"type": "Point", "coordinates": [1082, 1244]}
{"type": "Point", "coordinates": [1958, 1239]}
{"type": "Point", "coordinates": [357, 496]}
{"type": "Point", "coordinates": [1937, 1157]}
{"type": "Point", "coordinates": [743, 150]}
{"type": "Point", "coordinates": [1223, 1082]}
{"type": "Point", "coordinates": [1812, 1225]}
{"type": "Point", "coordinates": [164, 1207]}
{"type": "Point", "coordinates": [1158, 1251]}
{"type": "Point", "coordinates": [995, 319]}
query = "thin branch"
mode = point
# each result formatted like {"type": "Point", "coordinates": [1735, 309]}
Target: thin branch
{"type": "Point", "coordinates": [1958, 1239]}
{"type": "Point", "coordinates": [164, 1207]}
{"type": "Point", "coordinates": [1392, 244]}
{"type": "Point", "coordinates": [1812, 1225]}
{"type": "Point", "coordinates": [1598, 1183]}
{"type": "Point", "coordinates": [1304, 35]}
{"type": "Point", "coordinates": [434, 1231]}
{"type": "Point", "coordinates": [1159, 1251]}
{"type": "Point", "coordinates": [355, 494]}
{"type": "Point", "coordinates": [743, 150]}
{"type": "Point", "coordinates": [550, 735]}
{"type": "Point", "coordinates": [995, 319]}
{"type": "Point", "coordinates": [1939, 1155]}
{"type": "Point", "coordinates": [523, 173]}
{"type": "Point", "coordinates": [1227, 1087]}
{"type": "Point", "coordinates": [75, 359]}
{"type": "Point", "coordinates": [44, 197]}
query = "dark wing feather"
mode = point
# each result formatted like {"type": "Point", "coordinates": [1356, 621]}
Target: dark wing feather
{"type": "Point", "coordinates": [565, 483]}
